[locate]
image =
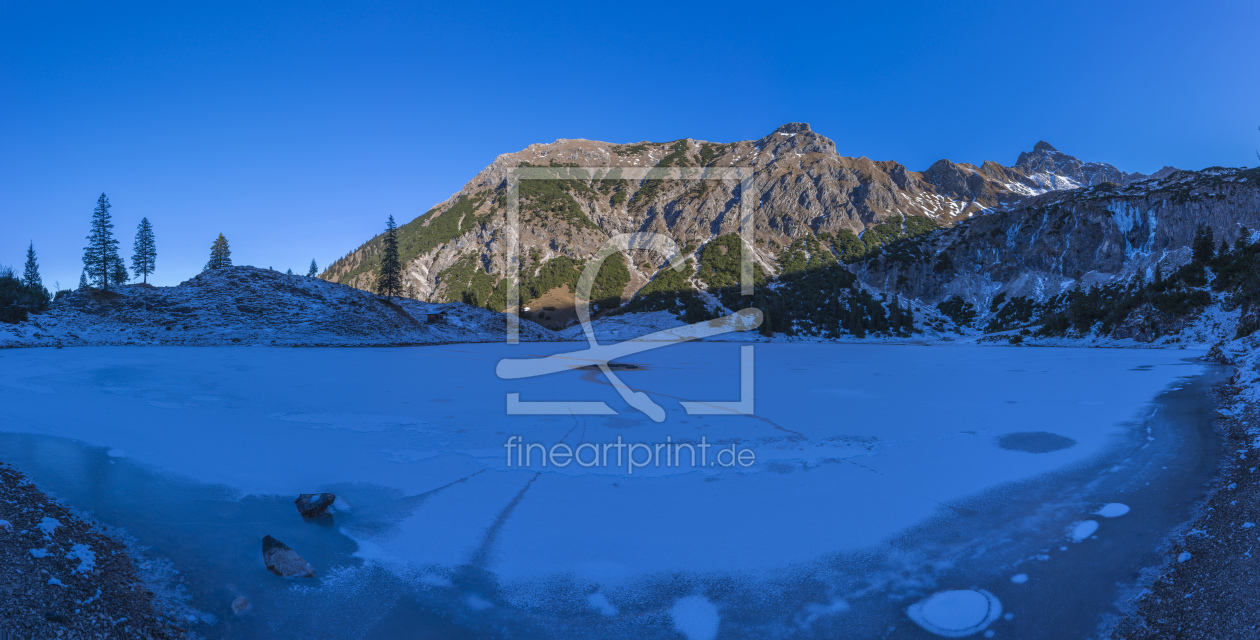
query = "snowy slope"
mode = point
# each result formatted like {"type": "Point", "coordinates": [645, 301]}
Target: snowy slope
{"type": "Point", "coordinates": [250, 306]}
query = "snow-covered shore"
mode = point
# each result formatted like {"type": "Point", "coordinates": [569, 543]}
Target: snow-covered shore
{"type": "Point", "coordinates": [250, 306]}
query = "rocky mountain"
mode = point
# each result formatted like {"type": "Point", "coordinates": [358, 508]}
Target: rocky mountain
{"type": "Point", "coordinates": [806, 193]}
{"type": "Point", "coordinates": [1049, 244]}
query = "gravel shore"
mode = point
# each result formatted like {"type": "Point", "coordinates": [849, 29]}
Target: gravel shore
{"type": "Point", "coordinates": [1208, 585]}
{"type": "Point", "coordinates": [61, 577]}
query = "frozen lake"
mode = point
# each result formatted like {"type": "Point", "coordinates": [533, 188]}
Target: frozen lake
{"type": "Point", "coordinates": [897, 491]}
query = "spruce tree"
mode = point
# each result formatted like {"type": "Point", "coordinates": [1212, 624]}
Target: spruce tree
{"type": "Point", "coordinates": [118, 271]}
{"type": "Point", "coordinates": [101, 253]}
{"type": "Point", "coordinates": [289, 272]}
{"type": "Point", "coordinates": [389, 282]}
{"type": "Point", "coordinates": [83, 283]}
{"type": "Point", "coordinates": [30, 276]}
{"type": "Point", "coordinates": [144, 259]}
{"type": "Point", "coordinates": [1201, 247]}
{"type": "Point", "coordinates": [313, 271]}
{"type": "Point", "coordinates": [220, 254]}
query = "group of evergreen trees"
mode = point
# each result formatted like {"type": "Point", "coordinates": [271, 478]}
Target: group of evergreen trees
{"type": "Point", "coordinates": [102, 265]}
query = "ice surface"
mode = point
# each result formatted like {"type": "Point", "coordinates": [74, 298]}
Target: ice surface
{"type": "Point", "coordinates": [884, 436]}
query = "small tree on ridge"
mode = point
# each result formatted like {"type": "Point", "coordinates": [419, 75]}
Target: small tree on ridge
{"type": "Point", "coordinates": [220, 254]}
{"type": "Point", "coordinates": [389, 282]}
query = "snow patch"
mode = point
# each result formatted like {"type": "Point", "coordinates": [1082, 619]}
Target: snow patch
{"type": "Point", "coordinates": [48, 526]}
{"type": "Point", "coordinates": [86, 557]}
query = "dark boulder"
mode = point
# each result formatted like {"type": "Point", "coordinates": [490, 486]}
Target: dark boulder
{"type": "Point", "coordinates": [312, 505]}
{"type": "Point", "coordinates": [284, 561]}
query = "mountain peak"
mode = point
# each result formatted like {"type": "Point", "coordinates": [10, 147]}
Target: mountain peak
{"type": "Point", "coordinates": [1045, 147]}
{"type": "Point", "coordinates": [793, 127]}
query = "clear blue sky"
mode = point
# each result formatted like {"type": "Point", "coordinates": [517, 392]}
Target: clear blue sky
{"type": "Point", "coordinates": [296, 129]}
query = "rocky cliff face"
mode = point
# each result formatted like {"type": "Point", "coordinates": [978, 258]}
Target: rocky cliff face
{"type": "Point", "coordinates": [1057, 241]}
{"type": "Point", "coordinates": [803, 189]}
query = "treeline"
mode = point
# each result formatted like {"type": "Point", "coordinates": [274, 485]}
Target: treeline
{"type": "Point", "coordinates": [814, 294]}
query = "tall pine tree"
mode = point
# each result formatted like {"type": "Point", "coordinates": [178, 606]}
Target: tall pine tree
{"type": "Point", "coordinates": [389, 282]}
{"type": "Point", "coordinates": [313, 271]}
{"type": "Point", "coordinates": [144, 258]}
{"type": "Point", "coordinates": [220, 254]}
{"type": "Point", "coordinates": [101, 254]}
{"type": "Point", "coordinates": [30, 276]}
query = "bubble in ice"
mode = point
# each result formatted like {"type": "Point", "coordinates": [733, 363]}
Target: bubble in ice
{"type": "Point", "coordinates": [1112, 510]}
{"type": "Point", "coordinates": [1083, 529]}
{"type": "Point", "coordinates": [956, 613]}
{"type": "Point", "coordinates": [696, 618]}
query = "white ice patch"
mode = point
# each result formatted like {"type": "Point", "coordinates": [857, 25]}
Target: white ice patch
{"type": "Point", "coordinates": [1019, 578]}
{"type": "Point", "coordinates": [815, 611]}
{"type": "Point", "coordinates": [86, 557]}
{"type": "Point", "coordinates": [600, 603]}
{"type": "Point", "coordinates": [1112, 510]}
{"type": "Point", "coordinates": [39, 553]}
{"type": "Point", "coordinates": [48, 526]}
{"type": "Point", "coordinates": [6, 525]}
{"type": "Point", "coordinates": [1083, 530]}
{"type": "Point", "coordinates": [1185, 555]}
{"type": "Point", "coordinates": [695, 617]}
{"type": "Point", "coordinates": [956, 614]}
{"type": "Point", "coordinates": [55, 581]}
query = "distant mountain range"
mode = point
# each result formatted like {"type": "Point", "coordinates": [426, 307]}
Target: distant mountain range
{"type": "Point", "coordinates": [842, 245]}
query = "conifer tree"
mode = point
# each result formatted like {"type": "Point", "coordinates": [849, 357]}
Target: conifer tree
{"type": "Point", "coordinates": [83, 283]}
{"type": "Point", "coordinates": [288, 272]}
{"type": "Point", "coordinates": [118, 271]}
{"type": "Point", "coordinates": [220, 254]}
{"type": "Point", "coordinates": [389, 282]}
{"type": "Point", "coordinates": [30, 276]}
{"type": "Point", "coordinates": [101, 253]}
{"type": "Point", "coordinates": [144, 259]}
{"type": "Point", "coordinates": [1201, 247]}
{"type": "Point", "coordinates": [313, 271]}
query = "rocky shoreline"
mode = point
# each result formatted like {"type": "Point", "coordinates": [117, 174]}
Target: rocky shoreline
{"type": "Point", "coordinates": [1206, 587]}
{"type": "Point", "coordinates": [62, 576]}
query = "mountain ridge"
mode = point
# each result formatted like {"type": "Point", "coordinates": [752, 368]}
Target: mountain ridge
{"type": "Point", "coordinates": [804, 189]}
